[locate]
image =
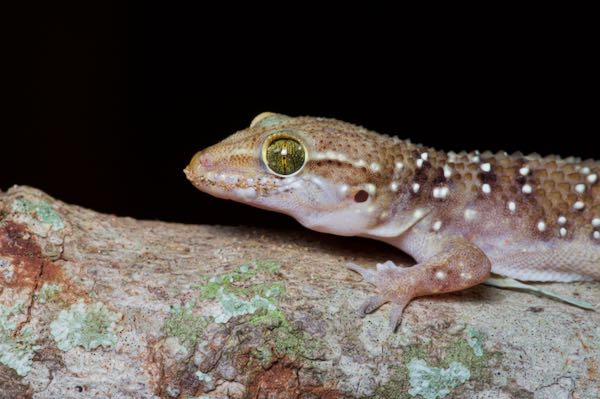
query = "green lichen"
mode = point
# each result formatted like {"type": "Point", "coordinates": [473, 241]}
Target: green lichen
{"type": "Point", "coordinates": [86, 325]}
{"type": "Point", "coordinates": [42, 210]}
{"type": "Point", "coordinates": [238, 295]}
{"type": "Point", "coordinates": [203, 377]}
{"type": "Point", "coordinates": [475, 340]}
{"type": "Point", "coordinates": [288, 340]}
{"type": "Point", "coordinates": [434, 382]}
{"type": "Point", "coordinates": [227, 281]}
{"type": "Point", "coordinates": [468, 353]}
{"type": "Point", "coordinates": [263, 354]}
{"type": "Point", "coordinates": [233, 306]}
{"type": "Point", "coordinates": [267, 266]}
{"type": "Point", "coordinates": [398, 384]}
{"type": "Point", "coordinates": [16, 351]}
{"type": "Point", "coordinates": [184, 324]}
{"type": "Point", "coordinates": [479, 365]}
{"type": "Point", "coordinates": [48, 293]}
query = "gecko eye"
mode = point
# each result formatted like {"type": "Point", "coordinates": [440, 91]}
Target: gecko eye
{"type": "Point", "coordinates": [284, 156]}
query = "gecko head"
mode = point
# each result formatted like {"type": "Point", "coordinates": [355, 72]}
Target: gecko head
{"type": "Point", "coordinates": [323, 172]}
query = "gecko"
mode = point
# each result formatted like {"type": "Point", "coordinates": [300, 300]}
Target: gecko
{"type": "Point", "coordinates": [460, 216]}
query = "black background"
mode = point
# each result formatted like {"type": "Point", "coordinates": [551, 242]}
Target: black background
{"type": "Point", "coordinates": [108, 102]}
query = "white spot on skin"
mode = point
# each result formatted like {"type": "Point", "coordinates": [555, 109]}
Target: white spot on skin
{"type": "Point", "coordinates": [398, 166]}
{"type": "Point", "coordinates": [585, 170]}
{"type": "Point", "coordinates": [486, 188]}
{"type": "Point", "coordinates": [424, 156]}
{"type": "Point", "coordinates": [470, 214]}
{"type": "Point", "coordinates": [360, 163]}
{"type": "Point", "coordinates": [284, 151]}
{"type": "Point", "coordinates": [331, 155]}
{"type": "Point", "coordinates": [420, 163]}
{"type": "Point", "coordinates": [593, 178]}
{"type": "Point", "coordinates": [596, 235]}
{"type": "Point", "coordinates": [579, 205]}
{"type": "Point", "coordinates": [541, 226]}
{"type": "Point", "coordinates": [596, 222]}
{"type": "Point", "coordinates": [475, 158]}
{"type": "Point", "coordinates": [370, 188]}
{"type": "Point", "coordinates": [375, 167]}
{"type": "Point", "coordinates": [580, 188]}
{"type": "Point", "coordinates": [562, 220]}
{"type": "Point", "coordinates": [440, 192]}
{"type": "Point", "coordinates": [418, 214]}
{"type": "Point", "coordinates": [524, 171]}
{"type": "Point", "coordinates": [317, 155]}
{"type": "Point", "coordinates": [437, 225]}
{"type": "Point", "coordinates": [465, 276]}
{"type": "Point", "coordinates": [416, 187]}
{"type": "Point", "coordinates": [511, 206]}
{"type": "Point", "coordinates": [486, 167]}
{"type": "Point", "coordinates": [526, 189]}
{"type": "Point", "coordinates": [344, 188]}
{"type": "Point", "coordinates": [440, 275]}
{"type": "Point", "coordinates": [562, 232]}
{"type": "Point", "coordinates": [394, 186]}
{"type": "Point", "coordinates": [447, 172]}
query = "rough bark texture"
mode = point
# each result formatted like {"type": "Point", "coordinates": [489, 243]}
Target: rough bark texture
{"type": "Point", "coordinates": [94, 305]}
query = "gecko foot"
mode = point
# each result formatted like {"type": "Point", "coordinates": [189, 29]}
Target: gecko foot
{"type": "Point", "coordinates": [458, 265]}
{"type": "Point", "coordinates": [387, 278]}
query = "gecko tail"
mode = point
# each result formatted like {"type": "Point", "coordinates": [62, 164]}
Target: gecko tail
{"type": "Point", "coordinates": [507, 282]}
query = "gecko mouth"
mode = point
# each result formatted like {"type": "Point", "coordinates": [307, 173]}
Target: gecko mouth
{"type": "Point", "coordinates": [228, 183]}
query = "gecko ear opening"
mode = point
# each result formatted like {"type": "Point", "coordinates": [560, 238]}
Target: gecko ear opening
{"type": "Point", "coordinates": [266, 119]}
{"type": "Point", "coordinates": [361, 196]}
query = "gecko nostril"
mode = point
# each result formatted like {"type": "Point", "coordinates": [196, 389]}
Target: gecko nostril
{"type": "Point", "coordinates": [206, 161]}
{"type": "Point", "coordinates": [203, 160]}
{"type": "Point", "coordinates": [200, 164]}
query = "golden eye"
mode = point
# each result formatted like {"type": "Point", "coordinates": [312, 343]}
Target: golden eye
{"type": "Point", "coordinates": [284, 156]}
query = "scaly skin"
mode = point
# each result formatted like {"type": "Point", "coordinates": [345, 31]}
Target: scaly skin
{"type": "Point", "coordinates": [459, 215]}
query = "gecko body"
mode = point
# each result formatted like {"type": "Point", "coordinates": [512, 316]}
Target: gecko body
{"type": "Point", "coordinates": [459, 215]}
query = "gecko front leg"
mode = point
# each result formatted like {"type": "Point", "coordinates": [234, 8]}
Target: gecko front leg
{"type": "Point", "coordinates": [458, 265]}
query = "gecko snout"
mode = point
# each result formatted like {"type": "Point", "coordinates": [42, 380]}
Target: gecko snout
{"type": "Point", "coordinates": [202, 162]}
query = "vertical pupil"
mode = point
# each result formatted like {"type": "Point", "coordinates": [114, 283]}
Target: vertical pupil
{"type": "Point", "coordinates": [284, 156]}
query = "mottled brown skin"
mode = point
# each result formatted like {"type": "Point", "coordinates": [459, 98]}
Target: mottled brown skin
{"type": "Point", "coordinates": [459, 215]}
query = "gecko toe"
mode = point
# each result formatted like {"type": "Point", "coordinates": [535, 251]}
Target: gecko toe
{"type": "Point", "coordinates": [387, 266]}
{"type": "Point", "coordinates": [391, 285]}
{"type": "Point", "coordinates": [368, 275]}
{"type": "Point", "coordinates": [396, 313]}
{"type": "Point", "coordinates": [371, 304]}
{"type": "Point", "coordinates": [376, 301]}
